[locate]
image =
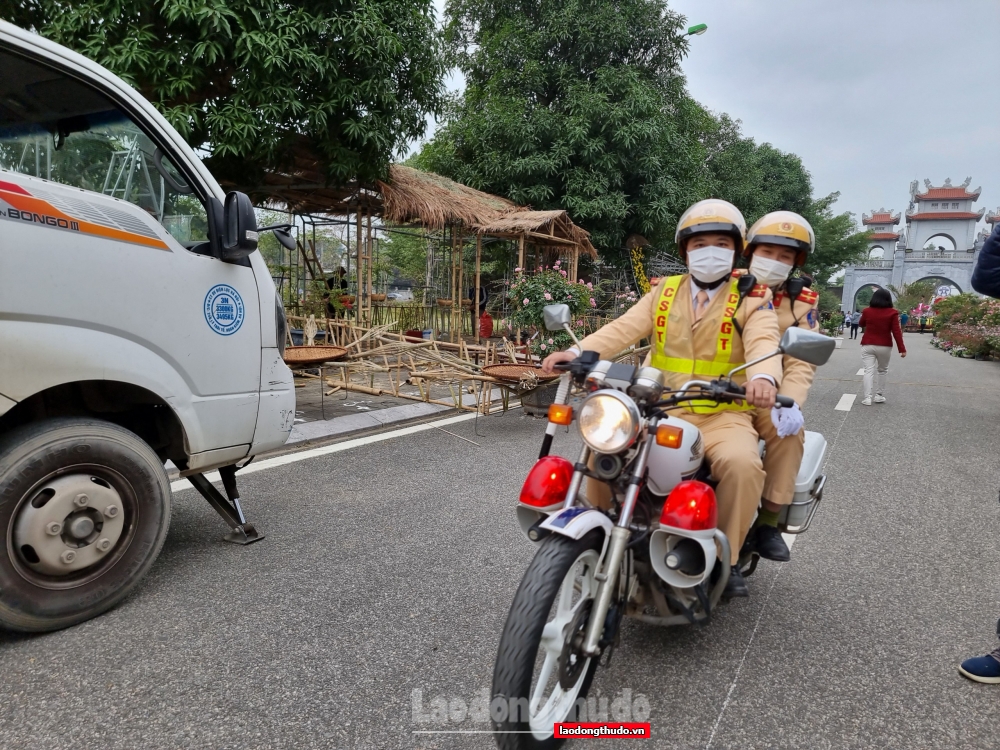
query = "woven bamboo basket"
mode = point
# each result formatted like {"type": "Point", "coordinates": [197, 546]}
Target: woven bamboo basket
{"type": "Point", "coordinates": [312, 355]}
{"type": "Point", "coordinates": [516, 373]}
{"type": "Point", "coordinates": [378, 298]}
{"type": "Point", "coordinates": [444, 302]}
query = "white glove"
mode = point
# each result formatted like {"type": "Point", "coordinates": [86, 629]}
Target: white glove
{"type": "Point", "coordinates": [788, 420]}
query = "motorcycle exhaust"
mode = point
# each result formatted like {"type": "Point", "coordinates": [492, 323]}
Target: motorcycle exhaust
{"type": "Point", "coordinates": [682, 558]}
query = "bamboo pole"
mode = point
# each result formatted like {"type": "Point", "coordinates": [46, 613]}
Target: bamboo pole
{"type": "Point", "coordinates": [370, 261]}
{"type": "Point", "coordinates": [475, 302]}
{"type": "Point", "coordinates": [460, 297]}
{"type": "Point", "coordinates": [360, 271]}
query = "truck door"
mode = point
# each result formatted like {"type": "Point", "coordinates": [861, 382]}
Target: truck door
{"type": "Point", "coordinates": [103, 241]}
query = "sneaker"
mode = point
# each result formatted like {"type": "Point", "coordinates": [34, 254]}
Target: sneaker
{"type": "Point", "coordinates": [879, 399]}
{"type": "Point", "coordinates": [866, 401]}
{"type": "Point", "coordinates": [767, 542]}
{"type": "Point", "coordinates": [982, 668]}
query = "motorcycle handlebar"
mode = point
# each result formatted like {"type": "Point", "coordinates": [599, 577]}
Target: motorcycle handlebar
{"type": "Point", "coordinates": [784, 402]}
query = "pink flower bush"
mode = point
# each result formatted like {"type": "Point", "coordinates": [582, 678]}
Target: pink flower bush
{"type": "Point", "coordinates": [593, 302]}
{"type": "Point", "coordinates": [547, 296]}
{"type": "Point", "coordinates": [526, 301]}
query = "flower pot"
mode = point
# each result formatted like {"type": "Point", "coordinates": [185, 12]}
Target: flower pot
{"type": "Point", "coordinates": [536, 402]}
{"type": "Point", "coordinates": [378, 298]}
{"type": "Point", "coordinates": [445, 302]}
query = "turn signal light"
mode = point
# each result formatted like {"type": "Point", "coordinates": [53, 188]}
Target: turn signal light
{"type": "Point", "coordinates": [561, 414]}
{"type": "Point", "coordinates": [691, 506]}
{"type": "Point", "coordinates": [548, 482]}
{"type": "Point", "coordinates": [669, 436]}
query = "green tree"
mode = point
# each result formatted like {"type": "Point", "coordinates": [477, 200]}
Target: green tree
{"type": "Point", "coordinates": [247, 80]}
{"type": "Point", "coordinates": [908, 296]}
{"type": "Point", "coordinates": [757, 178]}
{"type": "Point", "coordinates": [406, 249]}
{"type": "Point", "coordinates": [839, 241]}
{"type": "Point", "coordinates": [863, 298]}
{"type": "Point", "coordinates": [576, 104]}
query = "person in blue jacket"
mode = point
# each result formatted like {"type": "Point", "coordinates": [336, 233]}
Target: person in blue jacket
{"type": "Point", "coordinates": [986, 280]}
{"type": "Point", "coordinates": [986, 275]}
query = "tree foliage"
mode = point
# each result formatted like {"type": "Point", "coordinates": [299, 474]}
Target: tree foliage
{"type": "Point", "coordinates": [243, 80]}
{"type": "Point", "coordinates": [576, 104]}
{"type": "Point", "coordinates": [908, 296]}
{"type": "Point", "coordinates": [580, 104]}
{"type": "Point", "coordinates": [757, 178]}
{"type": "Point", "coordinates": [839, 241]}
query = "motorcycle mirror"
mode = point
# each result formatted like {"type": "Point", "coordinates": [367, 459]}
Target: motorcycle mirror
{"type": "Point", "coordinates": [281, 234]}
{"type": "Point", "coordinates": [556, 316]}
{"type": "Point", "coordinates": [809, 346]}
{"type": "Point", "coordinates": [285, 239]}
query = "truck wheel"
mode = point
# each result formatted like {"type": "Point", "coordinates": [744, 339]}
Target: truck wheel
{"type": "Point", "coordinates": [84, 509]}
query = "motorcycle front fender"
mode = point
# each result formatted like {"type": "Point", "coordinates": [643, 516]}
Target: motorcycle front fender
{"type": "Point", "coordinates": [576, 522]}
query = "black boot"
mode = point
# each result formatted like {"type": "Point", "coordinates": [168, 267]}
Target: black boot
{"type": "Point", "coordinates": [736, 586]}
{"type": "Point", "coordinates": [766, 541]}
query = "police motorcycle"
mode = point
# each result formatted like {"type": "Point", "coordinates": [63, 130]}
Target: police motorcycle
{"type": "Point", "coordinates": [652, 555]}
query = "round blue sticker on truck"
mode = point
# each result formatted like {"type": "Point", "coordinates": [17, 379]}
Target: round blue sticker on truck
{"type": "Point", "coordinates": [224, 309]}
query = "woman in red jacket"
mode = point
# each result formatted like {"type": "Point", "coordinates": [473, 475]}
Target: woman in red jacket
{"type": "Point", "coordinates": [880, 322]}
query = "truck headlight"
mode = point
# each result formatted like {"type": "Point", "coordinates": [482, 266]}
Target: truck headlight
{"type": "Point", "coordinates": [609, 421]}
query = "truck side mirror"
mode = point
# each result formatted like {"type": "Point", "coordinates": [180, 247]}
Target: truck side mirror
{"type": "Point", "coordinates": [240, 222]}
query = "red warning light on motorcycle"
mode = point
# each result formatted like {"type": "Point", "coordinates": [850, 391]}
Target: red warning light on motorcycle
{"type": "Point", "coordinates": [690, 506]}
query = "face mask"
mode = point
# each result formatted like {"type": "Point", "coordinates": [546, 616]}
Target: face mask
{"type": "Point", "coordinates": [708, 264]}
{"type": "Point", "coordinates": [768, 271]}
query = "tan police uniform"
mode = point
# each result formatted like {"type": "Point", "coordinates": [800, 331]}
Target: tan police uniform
{"type": "Point", "coordinates": [685, 351]}
{"type": "Point", "coordinates": [781, 462]}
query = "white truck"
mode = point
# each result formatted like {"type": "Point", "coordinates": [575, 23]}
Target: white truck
{"type": "Point", "coordinates": [138, 325]}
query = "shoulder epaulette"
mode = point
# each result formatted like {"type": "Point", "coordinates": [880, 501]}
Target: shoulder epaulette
{"type": "Point", "coordinates": [808, 295]}
{"type": "Point", "coordinates": [759, 290]}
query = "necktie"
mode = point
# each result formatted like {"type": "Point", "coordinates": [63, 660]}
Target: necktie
{"type": "Point", "coordinates": [700, 304]}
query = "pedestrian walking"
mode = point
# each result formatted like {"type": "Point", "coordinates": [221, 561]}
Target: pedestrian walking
{"type": "Point", "coordinates": [855, 320]}
{"type": "Point", "coordinates": [923, 323]}
{"type": "Point", "coordinates": [881, 325]}
{"type": "Point", "coordinates": [904, 318]}
{"type": "Point", "coordinates": [986, 280]}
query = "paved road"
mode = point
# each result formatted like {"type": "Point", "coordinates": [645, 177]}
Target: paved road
{"type": "Point", "coordinates": [389, 568]}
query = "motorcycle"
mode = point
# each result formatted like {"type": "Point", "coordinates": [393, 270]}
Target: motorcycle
{"type": "Point", "coordinates": [651, 553]}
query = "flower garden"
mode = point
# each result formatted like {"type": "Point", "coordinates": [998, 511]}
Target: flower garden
{"type": "Point", "coordinates": [967, 326]}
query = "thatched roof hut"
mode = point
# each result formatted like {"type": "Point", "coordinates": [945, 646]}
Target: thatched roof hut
{"type": "Point", "coordinates": [542, 228]}
{"type": "Point", "coordinates": [415, 197]}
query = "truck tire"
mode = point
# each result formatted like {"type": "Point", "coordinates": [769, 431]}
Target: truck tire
{"type": "Point", "coordinates": [84, 510]}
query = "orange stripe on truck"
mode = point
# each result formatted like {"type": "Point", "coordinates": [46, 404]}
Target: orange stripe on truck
{"type": "Point", "coordinates": [40, 210]}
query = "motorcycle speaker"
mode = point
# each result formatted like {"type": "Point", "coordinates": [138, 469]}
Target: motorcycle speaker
{"type": "Point", "coordinates": [682, 558]}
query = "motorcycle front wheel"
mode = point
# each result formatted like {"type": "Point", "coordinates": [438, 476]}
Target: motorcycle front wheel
{"type": "Point", "coordinates": [541, 677]}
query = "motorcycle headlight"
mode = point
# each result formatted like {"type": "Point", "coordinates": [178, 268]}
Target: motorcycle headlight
{"type": "Point", "coordinates": [609, 421]}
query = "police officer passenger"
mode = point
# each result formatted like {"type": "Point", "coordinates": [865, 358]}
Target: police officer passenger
{"type": "Point", "coordinates": [778, 244]}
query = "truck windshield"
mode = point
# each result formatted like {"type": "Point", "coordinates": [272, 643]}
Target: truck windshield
{"type": "Point", "coordinates": [56, 127]}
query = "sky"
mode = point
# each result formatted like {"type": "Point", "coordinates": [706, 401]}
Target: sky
{"type": "Point", "coordinates": [871, 94]}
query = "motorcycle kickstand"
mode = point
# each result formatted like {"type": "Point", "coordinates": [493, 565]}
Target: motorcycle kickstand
{"type": "Point", "coordinates": [230, 510]}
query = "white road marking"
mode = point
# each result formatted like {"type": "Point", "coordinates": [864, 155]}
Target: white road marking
{"type": "Point", "coordinates": [845, 403]}
{"type": "Point", "coordinates": [860, 372]}
{"type": "Point", "coordinates": [789, 539]}
{"type": "Point", "coordinates": [739, 668]}
{"type": "Point", "coordinates": [291, 458]}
